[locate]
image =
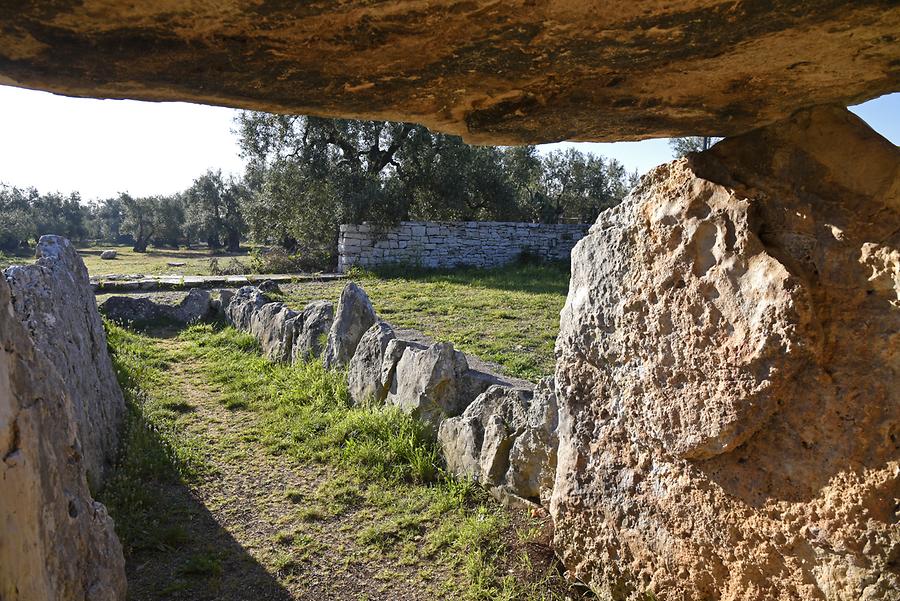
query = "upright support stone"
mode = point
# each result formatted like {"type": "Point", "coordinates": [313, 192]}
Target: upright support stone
{"type": "Point", "coordinates": [728, 369]}
{"type": "Point", "coordinates": [54, 300]}
{"type": "Point", "coordinates": [426, 383]}
{"type": "Point", "coordinates": [56, 542]}
{"type": "Point", "coordinates": [312, 327]}
{"type": "Point", "coordinates": [366, 379]}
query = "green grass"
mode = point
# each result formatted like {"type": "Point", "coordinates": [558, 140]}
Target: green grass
{"type": "Point", "coordinates": [386, 493]}
{"type": "Point", "coordinates": [390, 463]}
{"type": "Point", "coordinates": [508, 315]}
{"type": "Point", "coordinates": [155, 261]}
{"type": "Point", "coordinates": [155, 446]}
{"type": "Point", "coordinates": [307, 413]}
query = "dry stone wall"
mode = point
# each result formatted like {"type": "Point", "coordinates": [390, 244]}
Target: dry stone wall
{"type": "Point", "coordinates": [455, 244]}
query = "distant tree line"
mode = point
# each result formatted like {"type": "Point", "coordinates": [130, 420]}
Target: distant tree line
{"type": "Point", "coordinates": [305, 176]}
{"type": "Point", "coordinates": [208, 212]}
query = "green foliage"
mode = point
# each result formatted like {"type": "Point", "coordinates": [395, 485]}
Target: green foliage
{"type": "Point", "coordinates": [379, 497]}
{"type": "Point", "coordinates": [309, 175]}
{"type": "Point", "coordinates": [213, 210]}
{"type": "Point", "coordinates": [233, 266]}
{"type": "Point", "coordinates": [140, 219]}
{"type": "Point", "coordinates": [27, 214]}
{"type": "Point", "coordinates": [279, 260]}
{"type": "Point", "coordinates": [683, 146]}
{"type": "Point", "coordinates": [311, 406]}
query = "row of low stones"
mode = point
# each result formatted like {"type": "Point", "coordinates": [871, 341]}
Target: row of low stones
{"type": "Point", "coordinates": [502, 436]}
{"type": "Point", "coordinates": [135, 282]}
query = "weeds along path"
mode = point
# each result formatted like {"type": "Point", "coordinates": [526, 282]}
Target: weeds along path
{"type": "Point", "coordinates": [242, 479]}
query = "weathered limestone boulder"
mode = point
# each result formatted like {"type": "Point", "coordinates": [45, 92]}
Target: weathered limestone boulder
{"type": "Point", "coordinates": [240, 309]}
{"type": "Point", "coordinates": [498, 72]}
{"type": "Point", "coordinates": [367, 379]}
{"type": "Point", "coordinates": [477, 443]}
{"type": "Point", "coordinates": [426, 383]}
{"type": "Point", "coordinates": [195, 307]}
{"type": "Point", "coordinates": [269, 286]}
{"type": "Point", "coordinates": [106, 255]}
{"type": "Point", "coordinates": [219, 300]}
{"type": "Point", "coordinates": [729, 374]}
{"type": "Point", "coordinates": [532, 458]}
{"type": "Point", "coordinates": [311, 330]}
{"type": "Point", "coordinates": [353, 317]}
{"type": "Point", "coordinates": [56, 542]}
{"type": "Point", "coordinates": [54, 300]}
{"type": "Point", "coordinates": [273, 326]}
{"type": "Point", "coordinates": [506, 440]}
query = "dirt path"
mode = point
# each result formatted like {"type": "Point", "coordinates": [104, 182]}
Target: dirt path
{"type": "Point", "coordinates": [262, 526]}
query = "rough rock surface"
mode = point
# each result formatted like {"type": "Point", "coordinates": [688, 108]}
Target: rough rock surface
{"type": "Point", "coordinates": [269, 286]}
{"type": "Point", "coordinates": [196, 306]}
{"type": "Point", "coordinates": [353, 317]}
{"type": "Point", "coordinates": [56, 542]}
{"type": "Point", "coordinates": [728, 374]}
{"type": "Point", "coordinates": [240, 309]}
{"type": "Point", "coordinates": [312, 328]}
{"type": "Point", "coordinates": [108, 254]}
{"type": "Point", "coordinates": [220, 298]}
{"type": "Point", "coordinates": [53, 298]}
{"type": "Point", "coordinates": [367, 378]}
{"type": "Point", "coordinates": [498, 72]}
{"type": "Point", "coordinates": [506, 440]}
{"type": "Point", "coordinates": [426, 383]}
{"type": "Point", "coordinates": [273, 326]}
{"type": "Point", "coordinates": [532, 458]}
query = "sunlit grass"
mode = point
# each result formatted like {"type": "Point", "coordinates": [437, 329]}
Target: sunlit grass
{"type": "Point", "coordinates": [386, 490]}
{"type": "Point", "coordinates": [508, 315]}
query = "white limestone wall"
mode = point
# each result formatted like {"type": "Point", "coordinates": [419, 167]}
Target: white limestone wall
{"type": "Point", "coordinates": [454, 244]}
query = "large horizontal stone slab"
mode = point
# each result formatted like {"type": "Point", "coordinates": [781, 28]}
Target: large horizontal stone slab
{"type": "Point", "coordinates": [493, 72]}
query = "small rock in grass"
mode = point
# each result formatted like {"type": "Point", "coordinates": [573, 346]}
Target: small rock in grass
{"type": "Point", "coordinates": [268, 286]}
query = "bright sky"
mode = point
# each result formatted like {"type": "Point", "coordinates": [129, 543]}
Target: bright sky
{"type": "Point", "coordinates": [103, 147]}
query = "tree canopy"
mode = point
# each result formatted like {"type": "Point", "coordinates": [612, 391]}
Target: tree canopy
{"type": "Point", "coordinates": [307, 175]}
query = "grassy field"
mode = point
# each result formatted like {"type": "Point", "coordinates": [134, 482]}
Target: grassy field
{"type": "Point", "coordinates": [154, 261]}
{"type": "Point", "coordinates": [508, 315]}
{"type": "Point", "coordinates": [246, 479]}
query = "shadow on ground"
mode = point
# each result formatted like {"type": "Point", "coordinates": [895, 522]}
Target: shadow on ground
{"type": "Point", "coordinates": [195, 558]}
